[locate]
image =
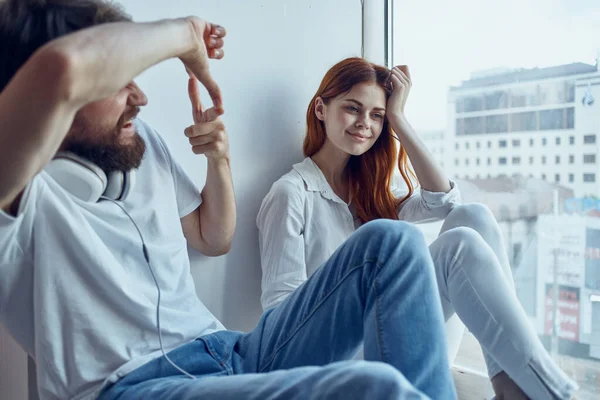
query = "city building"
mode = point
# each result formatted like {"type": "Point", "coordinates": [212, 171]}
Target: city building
{"type": "Point", "coordinates": [538, 123]}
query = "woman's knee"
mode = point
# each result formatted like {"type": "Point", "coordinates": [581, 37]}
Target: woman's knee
{"type": "Point", "coordinates": [476, 216]}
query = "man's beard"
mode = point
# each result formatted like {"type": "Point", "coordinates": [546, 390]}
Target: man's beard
{"type": "Point", "coordinates": [102, 146]}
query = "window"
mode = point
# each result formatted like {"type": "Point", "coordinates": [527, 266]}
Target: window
{"type": "Point", "coordinates": [456, 146]}
{"type": "Point", "coordinates": [477, 145]}
{"type": "Point", "coordinates": [589, 159]}
{"type": "Point", "coordinates": [523, 122]}
{"type": "Point", "coordinates": [589, 178]}
{"type": "Point", "coordinates": [589, 139]}
{"type": "Point", "coordinates": [456, 161]}
{"type": "Point", "coordinates": [467, 146]}
{"type": "Point", "coordinates": [552, 119]}
{"type": "Point", "coordinates": [496, 123]}
{"type": "Point", "coordinates": [466, 161]}
{"type": "Point", "coordinates": [523, 116]}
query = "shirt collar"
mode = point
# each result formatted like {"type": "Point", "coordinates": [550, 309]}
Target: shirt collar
{"type": "Point", "coordinates": [314, 179]}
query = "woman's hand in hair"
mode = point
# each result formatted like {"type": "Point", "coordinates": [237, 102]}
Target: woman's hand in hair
{"type": "Point", "coordinates": [401, 84]}
{"type": "Point", "coordinates": [209, 44]}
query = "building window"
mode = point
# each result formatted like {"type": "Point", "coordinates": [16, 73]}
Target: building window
{"type": "Point", "coordinates": [501, 143]}
{"type": "Point", "coordinates": [456, 161]}
{"type": "Point", "coordinates": [466, 161]}
{"type": "Point", "coordinates": [544, 176]}
{"type": "Point", "coordinates": [557, 178]}
{"type": "Point", "coordinates": [571, 139]}
{"type": "Point", "coordinates": [530, 160]}
{"type": "Point", "coordinates": [456, 146]}
{"type": "Point", "coordinates": [558, 141]}
{"type": "Point", "coordinates": [496, 123]}
{"type": "Point", "coordinates": [467, 145]}
{"type": "Point", "coordinates": [502, 160]}
{"type": "Point", "coordinates": [589, 159]}
{"type": "Point", "coordinates": [477, 161]}
{"type": "Point", "coordinates": [489, 161]}
{"type": "Point", "coordinates": [589, 139]}
{"type": "Point", "coordinates": [589, 177]}
{"type": "Point", "coordinates": [557, 159]}
{"type": "Point", "coordinates": [571, 178]}
{"type": "Point", "coordinates": [516, 143]}
{"type": "Point", "coordinates": [571, 159]}
{"type": "Point", "coordinates": [489, 144]}
{"type": "Point", "coordinates": [516, 160]}
{"type": "Point", "coordinates": [530, 142]}
{"type": "Point", "coordinates": [544, 141]}
{"type": "Point", "coordinates": [543, 159]}
{"type": "Point", "coordinates": [477, 145]}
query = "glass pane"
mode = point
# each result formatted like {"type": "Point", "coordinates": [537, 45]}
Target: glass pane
{"type": "Point", "coordinates": [526, 85]}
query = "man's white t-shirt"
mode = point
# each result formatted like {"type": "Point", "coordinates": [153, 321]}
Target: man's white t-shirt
{"type": "Point", "coordinates": [75, 290]}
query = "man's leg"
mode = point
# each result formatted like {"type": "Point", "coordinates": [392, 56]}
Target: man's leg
{"type": "Point", "coordinates": [343, 381]}
{"type": "Point", "coordinates": [378, 287]}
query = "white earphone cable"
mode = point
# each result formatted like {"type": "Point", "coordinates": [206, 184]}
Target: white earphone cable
{"type": "Point", "coordinates": [147, 258]}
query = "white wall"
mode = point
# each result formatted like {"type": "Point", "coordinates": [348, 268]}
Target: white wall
{"type": "Point", "coordinates": [276, 53]}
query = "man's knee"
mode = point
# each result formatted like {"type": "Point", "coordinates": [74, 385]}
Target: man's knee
{"type": "Point", "coordinates": [383, 230]}
{"type": "Point", "coordinates": [374, 380]}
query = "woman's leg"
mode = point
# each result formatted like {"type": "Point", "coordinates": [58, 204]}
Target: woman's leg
{"type": "Point", "coordinates": [474, 280]}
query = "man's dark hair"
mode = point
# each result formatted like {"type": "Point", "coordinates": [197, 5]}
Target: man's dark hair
{"type": "Point", "coordinates": [26, 25]}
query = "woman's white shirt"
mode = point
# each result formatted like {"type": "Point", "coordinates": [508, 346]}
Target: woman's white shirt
{"type": "Point", "coordinates": [302, 222]}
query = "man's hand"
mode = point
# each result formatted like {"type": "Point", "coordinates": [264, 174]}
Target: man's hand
{"type": "Point", "coordinates": [208, 40]}
{"type": "Point", "coordinates": [207, 136]}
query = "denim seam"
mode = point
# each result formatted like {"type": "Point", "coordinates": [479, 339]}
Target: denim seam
{"type": "Point", "coordinates": [214, 354]}
{"type": "Point", "coordinates": [378, 316]}
{"type": "Point", "coordinates": [316, 307]}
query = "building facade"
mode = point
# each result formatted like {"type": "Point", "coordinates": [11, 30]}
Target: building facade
{"type": "Point", "coordinates": [536, 123]}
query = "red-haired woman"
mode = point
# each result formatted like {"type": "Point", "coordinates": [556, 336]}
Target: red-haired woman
{"type": "Point", "coordinates": [347, 179]}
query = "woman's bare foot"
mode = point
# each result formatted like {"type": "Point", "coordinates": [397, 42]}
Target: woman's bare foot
{"type": "Point", "coordinates": [506, 389]}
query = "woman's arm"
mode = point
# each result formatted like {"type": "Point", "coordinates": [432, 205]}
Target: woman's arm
{"type": "Point", "coordinates": [280, 224]}
{"type": "Point", "coordinates": [430, 174]}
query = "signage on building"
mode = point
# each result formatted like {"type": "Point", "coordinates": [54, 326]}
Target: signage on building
{"type": "Point", "coordinates": [567, 312]}
{"type": "Point", "coordinates": [592, 259]}
{"type": "Point", "coordinates": [582, 204]}
{"type": "Point", "coordinates": [588, 98]}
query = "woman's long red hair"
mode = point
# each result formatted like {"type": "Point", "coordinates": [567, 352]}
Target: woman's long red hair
{"type": "Point", "coordinates": [370, 174]}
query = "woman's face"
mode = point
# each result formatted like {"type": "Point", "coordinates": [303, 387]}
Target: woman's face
{"type": "Point", "coordinates": [354, 120]}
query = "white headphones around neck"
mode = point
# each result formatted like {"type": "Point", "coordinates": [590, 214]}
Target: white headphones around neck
{"type": "Point", "coordinates": [88, 182]}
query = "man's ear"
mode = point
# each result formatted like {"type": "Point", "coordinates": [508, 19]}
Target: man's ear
{"type": "Point", "coordinates": [320, 108]}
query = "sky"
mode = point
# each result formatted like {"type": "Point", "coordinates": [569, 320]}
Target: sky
{"type": "Point", "coordinates": [443, 42]}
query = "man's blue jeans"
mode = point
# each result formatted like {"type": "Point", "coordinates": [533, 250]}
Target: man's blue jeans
{"type": "Point", "coordinates": [379, 289]}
